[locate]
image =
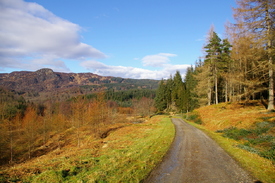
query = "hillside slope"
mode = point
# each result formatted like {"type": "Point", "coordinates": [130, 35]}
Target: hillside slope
{"type": "Point", "coordinates": [240, 115]}
{"type": "Point", "coordinates": [46, 81]}
{"type": "Point", "coordinates": [126, 153]}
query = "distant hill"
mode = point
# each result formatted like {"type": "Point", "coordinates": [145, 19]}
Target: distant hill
{"type": "Point", "coordinates": [46, 81]}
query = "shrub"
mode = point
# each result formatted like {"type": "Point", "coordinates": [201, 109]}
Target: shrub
{"type": "Point", "coordinates": [256, 139]}
{"type": "Point", "coordinates": [235, 133]}
{"type": "Point", "coordinates": [194, 117]}
{"type": "Point", "coordinates": [198, 121]}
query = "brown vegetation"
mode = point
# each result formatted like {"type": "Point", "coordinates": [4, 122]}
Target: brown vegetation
{"type": "Point", "coordinates": [225, 115]}
{"type": "Point", "coordinates": [116, 139]}
{"type": "Point", "coordinates": [41, 128]}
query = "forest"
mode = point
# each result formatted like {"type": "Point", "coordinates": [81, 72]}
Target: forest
{"type": "Point", "coordinates": [27, 129]}
{"type": "Point", "coordinates": [239, 67]}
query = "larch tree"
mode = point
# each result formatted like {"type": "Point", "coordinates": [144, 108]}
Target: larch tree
{"type": "Point", "coordinates": [203, 88]}
{"type": "Point", "coordinates": [30, 125]}
{"type": "Point", "coordinates": [144, 106]}
{"type": "Point", "coordinates": [258, 17]}
{"type": "Point", "coordinates": [245, 59]}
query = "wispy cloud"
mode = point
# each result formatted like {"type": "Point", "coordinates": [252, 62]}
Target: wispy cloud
{"type": "Point", "coordinates": [28, 31]}
{"type": "Point", "coordinates": [103, 15]}
{"type": "Point", "coordinates": [158, 60]}
{"type": "Point", "coordinates": [119, 71]}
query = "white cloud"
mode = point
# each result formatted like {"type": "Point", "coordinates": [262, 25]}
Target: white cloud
{"type": "Point", "coordinates": [132, 72]}
{"type": "Point", "coordinates": [35, 64]}
{"type": "Point", "coordinates": [28, 30]}
{"type": "Point", "coordinates": [158, 60]}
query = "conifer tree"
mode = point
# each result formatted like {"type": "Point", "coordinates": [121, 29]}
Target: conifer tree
{"type": "Point", "coordinates": [258, 18]}
{"type": "Point", "coordinates": [160, 100]}
{"type": "Point", "coordinates": [213, 59]}
{"type": "Point", "coordinates": [178, 91]}
{"type": "Point", "coordinates": [190, 101]}
{"type": "Point", "coordinates": [225, 65]}
{"type": "Point", "coordinates": [169, 85]}
{"type": "Point", "coordinates": [203, 88]}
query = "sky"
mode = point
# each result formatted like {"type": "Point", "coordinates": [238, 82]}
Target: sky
{"type": "Point", "coordinates": [140, 39]}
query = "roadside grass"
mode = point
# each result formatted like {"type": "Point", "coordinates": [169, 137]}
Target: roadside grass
{"type": "Point", "coordinates": [247, 133]}
{"type": "Point", "coordinates": [127, 154]}
{"type": "Point", "coordinates": [255, 140]}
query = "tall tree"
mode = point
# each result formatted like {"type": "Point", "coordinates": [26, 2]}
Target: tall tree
{"type": "Point", "coordinates": [225, 65]}
{"type": "Point", "coordinates": [213, 58]}
{"type": "Point", "coordinates": [258, 17]}
{"type": "Point", "coordinates": [190, 101]}
{"type": "Point", "coordinates": [78, 110]}
{"type": "Point", "coordinates": [30, 126]}
{"type": "Point", "coordinates": [203, 88]}
{"type": "Point", "coordinates": [160, 100]}
{"type": "Point", "coordinates": [178, 91]}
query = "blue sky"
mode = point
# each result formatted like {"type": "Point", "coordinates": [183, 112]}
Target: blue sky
{"type": "Point", "coordinates": [133, 39]}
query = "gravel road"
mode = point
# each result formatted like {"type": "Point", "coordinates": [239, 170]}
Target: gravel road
{"type": "Point", "coordinates": [194, 157]}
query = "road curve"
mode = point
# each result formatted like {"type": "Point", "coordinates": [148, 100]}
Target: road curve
{"type": "Point", "coordinates": [194, 157]}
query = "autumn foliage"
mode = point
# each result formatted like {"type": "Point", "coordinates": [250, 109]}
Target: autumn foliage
{"type": "Point", "coordinates": [29, 130]}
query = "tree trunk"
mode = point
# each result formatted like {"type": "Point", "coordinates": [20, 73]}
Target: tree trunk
{"type": "Point", "coordinates": [271, 85]}
{"type": "Point", "coordinates": [216, 86]}
{"type": "Point", "coordinates": [11, 147]}
{"type": "Point", "coordinates": [270, 64]}
{"type": "Point", "coordinates": [226, 90]}
{"type": "Point", "coordinates": [209, 92]}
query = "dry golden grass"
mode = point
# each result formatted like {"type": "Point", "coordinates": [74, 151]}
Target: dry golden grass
{"type": "Point", "coordinates": [128, 152]}
{"type": "Point", "coordinates": [225, 115]}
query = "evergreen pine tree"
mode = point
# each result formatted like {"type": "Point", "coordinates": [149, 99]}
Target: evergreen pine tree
{"type": "Point", "coordinates": [178, 91]}
{"type": "Point", "coordinates": [160, 100]}
{"type": "Point", "coordinates": [213, 58]}
{"type": "Point", "coordinates": [190, 101]}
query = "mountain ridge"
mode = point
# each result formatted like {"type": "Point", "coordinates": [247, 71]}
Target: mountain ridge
{"type": "Point", "coordinates": [45, 80]}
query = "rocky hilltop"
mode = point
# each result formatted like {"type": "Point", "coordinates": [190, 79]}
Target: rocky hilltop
{"type": "Point", "coordinates": [46, 80]}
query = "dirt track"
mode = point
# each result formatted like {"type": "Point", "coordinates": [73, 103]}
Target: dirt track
{"type": "Point", "coordinates": [194, 157]}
